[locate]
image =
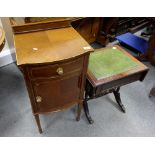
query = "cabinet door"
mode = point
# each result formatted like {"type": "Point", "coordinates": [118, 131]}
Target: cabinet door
{"type": "Point", "coordinates": [57, 94]}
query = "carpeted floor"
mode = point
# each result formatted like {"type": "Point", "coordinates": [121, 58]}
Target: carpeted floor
{"type": "Point", "coordinates": [16, 118]}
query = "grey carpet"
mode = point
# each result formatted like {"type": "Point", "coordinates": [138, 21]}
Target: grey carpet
{"type": "Point", "coordinates": [16, 118]}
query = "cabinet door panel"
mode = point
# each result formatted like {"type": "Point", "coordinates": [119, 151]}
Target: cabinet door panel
{"type": "Point", "coordinates": [54, 95]}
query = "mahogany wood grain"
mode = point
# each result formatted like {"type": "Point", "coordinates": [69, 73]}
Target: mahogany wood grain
{"type": "Point", "coordinates": [57, 92]}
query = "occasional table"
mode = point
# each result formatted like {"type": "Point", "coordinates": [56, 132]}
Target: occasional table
{"type": "Point", "coordinates": [109, 69]}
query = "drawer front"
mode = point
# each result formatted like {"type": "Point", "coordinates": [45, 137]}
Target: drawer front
{"type": "Point", "coordinates": [57, 94]}
{"type": "Point", "coordinates": [56, 70]}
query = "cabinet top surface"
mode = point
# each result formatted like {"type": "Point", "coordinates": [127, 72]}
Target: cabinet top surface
{"type": "Point", "coordinates": [49, 46]}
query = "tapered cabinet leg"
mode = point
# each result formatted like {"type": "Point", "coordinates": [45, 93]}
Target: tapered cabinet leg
{"type": "Point", "coordinates": [38, 123]}
{"type": "Point", "coordinates": [118, 99]}
{"type": "Point", "coordinates": [79, 111]}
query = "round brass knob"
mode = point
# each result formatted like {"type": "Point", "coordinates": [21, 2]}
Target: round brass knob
{"type": "Point", "coordinates": [38, 99]}
{"type": "Point", "coordinates": [60, 71]}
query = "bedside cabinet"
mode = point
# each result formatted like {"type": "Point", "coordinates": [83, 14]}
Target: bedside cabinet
{"type": "Point", "coordinates": [54, 64]}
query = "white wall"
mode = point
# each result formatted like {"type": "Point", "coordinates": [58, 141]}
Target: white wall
{"type": "Point", "coordinates": [7, 55]}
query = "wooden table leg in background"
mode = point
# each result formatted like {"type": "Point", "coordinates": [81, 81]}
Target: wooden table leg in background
{"type": "Point", "coordinates": [86, 110]}
{"type": "Point", "coordinates": [118, 99]}
{"type": "Point", "coordinates": [152, 92]}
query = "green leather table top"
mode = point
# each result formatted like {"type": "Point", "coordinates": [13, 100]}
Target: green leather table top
{"type": "Point", "coordinates": [108, 62]}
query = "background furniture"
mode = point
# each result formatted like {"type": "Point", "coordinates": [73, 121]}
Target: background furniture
{"type": "Point", "coordinates": [114, 26]}
{"type": "Point", "coordinates": [92, 29]}
{"type": "Point", "coordinates": [2, 39]}
{"type": "Point", "coordinates": [150, 51]}
{"type": "Point", "coordinates": [108, 70]}
{"type": "Point", "coordinates": [54, 63]}
{"type": "Point", "coordinates": [152, 92]}
{"type": "Point", "coordinates": [87, 27]}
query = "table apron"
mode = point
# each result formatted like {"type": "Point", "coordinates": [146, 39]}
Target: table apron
{"type": "Point", "coordinates": [109, 87]}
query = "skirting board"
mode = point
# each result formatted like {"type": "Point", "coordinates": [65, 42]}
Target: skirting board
{"type": "Point", "coordinates": [7, 55]}
{"type": "Point", "coordinates": [7, 58]}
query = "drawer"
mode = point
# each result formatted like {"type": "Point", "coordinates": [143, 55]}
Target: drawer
{"type": "Point", "coordinates": [56, 70]}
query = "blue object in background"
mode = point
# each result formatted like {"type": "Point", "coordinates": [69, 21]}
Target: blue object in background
{"type": "Point", "coordinates": [133, 41]}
